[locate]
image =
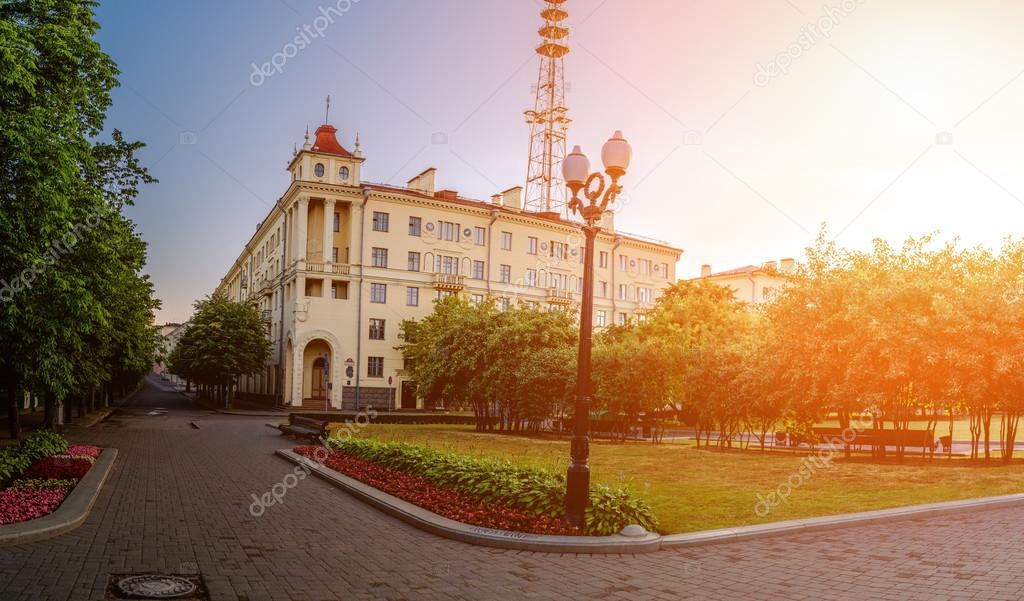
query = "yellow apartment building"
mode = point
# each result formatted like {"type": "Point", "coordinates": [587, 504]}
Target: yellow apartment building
{"type": "Point", "coordinates": [339, 262]}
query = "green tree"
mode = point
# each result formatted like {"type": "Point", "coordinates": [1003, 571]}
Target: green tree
{"type": "Point", "coordinates": [224, 340]}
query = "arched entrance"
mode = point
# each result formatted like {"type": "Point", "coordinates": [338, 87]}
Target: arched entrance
{"type": "Point", "coordinates": [317, 365]}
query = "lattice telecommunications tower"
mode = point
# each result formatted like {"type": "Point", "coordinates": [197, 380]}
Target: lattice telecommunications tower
{"type": "Point", "coordinates": [545, 189]}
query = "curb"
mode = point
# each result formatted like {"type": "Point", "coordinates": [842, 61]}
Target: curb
{"type": "Point", "coordinates": [442, 526]}
{"type": "Point", "coordinates": [71, 513]}
{"type": "Point", "coordinates": [477, 535]}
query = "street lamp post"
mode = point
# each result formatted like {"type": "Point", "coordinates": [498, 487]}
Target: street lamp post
{"type": "Point", "coordinates": [615, 155]}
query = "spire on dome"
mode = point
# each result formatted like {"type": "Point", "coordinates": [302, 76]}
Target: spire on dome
{"type": "Point", "coordinates": [358, 151]}
{"type": "Point", "coordinates": [305, 146]}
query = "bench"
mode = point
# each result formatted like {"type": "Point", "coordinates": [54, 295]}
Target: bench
{"type": "Point", "coordinates": [923, 439]}
{"type": "Point", "coordinates": [305, 427]}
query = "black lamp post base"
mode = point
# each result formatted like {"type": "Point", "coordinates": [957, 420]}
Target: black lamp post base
{"type": "Point", "coordinates": [577, 494]}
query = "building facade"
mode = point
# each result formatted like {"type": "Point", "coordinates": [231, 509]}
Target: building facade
{"type": "Point", "coordinates": [339, 262]}
{"type": "Point", "coordinates": [751, 284]}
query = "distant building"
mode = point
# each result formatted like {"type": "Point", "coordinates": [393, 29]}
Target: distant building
{"type": "Point", "coordinates": [751, 283]}
{"type": "Point", "coordinates": [171, 333]}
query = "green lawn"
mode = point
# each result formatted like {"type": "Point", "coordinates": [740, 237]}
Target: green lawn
{"type": "Point", "coordinates": [696, 489]}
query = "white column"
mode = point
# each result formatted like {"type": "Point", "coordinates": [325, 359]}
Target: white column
{"type": "Point", "coordinates": [302, 221]}
{"type": "Point", "coordinates": [328, 238]}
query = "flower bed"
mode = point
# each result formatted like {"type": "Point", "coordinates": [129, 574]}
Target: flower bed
{"type": "Point", "coordinates": [531, 493]}
{"type": "Point", "coordinates": [40, 471]}
{"type": "Point", "coordinates": [448, 503]}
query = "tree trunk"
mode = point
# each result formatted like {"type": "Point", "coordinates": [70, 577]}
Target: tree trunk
{"type": "Point", "coordinates": [49, 411]}
{"type": "Point", "coordinates": [13, 408]}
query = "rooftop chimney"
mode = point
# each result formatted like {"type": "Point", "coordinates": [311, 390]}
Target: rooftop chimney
{"type": "Point", "coordinates": [608, 221]}
{"type": "Point", "coordinates": [770, 265]}
{"type": "Point", "coordinates": [705, 271]}
{"type": "Point", "coordinates": [788, 266]}
{"type": "Point", "coordinates": [424, 182]}
{"type": "Point", "coordinates": [513, 198]}
{"type": "Point", "coordinates": [496, 199]}
{"type": "Point", "coordinates": [446, 194]}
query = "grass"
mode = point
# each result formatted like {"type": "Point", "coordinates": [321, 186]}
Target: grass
{"type": "Point", "coordinates": [697, 489]}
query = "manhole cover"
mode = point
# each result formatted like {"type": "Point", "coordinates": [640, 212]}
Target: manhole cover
{"type": "Point", "coordinates": [156, 586]}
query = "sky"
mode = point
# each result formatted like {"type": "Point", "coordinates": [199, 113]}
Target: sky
{"type": "Point", "coordinates": [753, 123]}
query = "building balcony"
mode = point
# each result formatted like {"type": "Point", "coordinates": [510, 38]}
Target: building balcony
{"type": "Point", "coordinates": [559, 296]}
{"type": "Point", "coordinates": [449, 281]}
{"type": "Point", "coordinates": [329, 268]}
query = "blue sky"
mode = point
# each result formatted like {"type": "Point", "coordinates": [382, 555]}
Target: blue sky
{"type": "Point", "coordinates": [903, 119]}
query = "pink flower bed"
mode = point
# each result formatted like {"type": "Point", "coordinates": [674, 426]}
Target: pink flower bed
{"type": "Point", "coordinates": [43, 487]}
{"type": "Point", "coordinates": [21, 505]}
{"type": "Point", "coordinates": [83, 450]}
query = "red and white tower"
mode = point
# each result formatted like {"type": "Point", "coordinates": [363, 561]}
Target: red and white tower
{"type": "Point", "coordinates": [545, 189]}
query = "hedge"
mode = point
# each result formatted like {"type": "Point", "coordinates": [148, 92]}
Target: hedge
{"type": "Point", "coordinates": [535, 490]}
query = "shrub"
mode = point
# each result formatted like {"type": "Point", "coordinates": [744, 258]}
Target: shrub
{"type": "Point", "coordinates": [16, 459]}
{"type": "Point", "coordinates": [21, 505]}
{"type": "Point", "coordinates": [539, 492]}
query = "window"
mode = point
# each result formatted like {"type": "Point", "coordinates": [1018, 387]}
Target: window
{"type": "Point", "coordinates": [446, 264]}
{"type": "Point", "coordinates": [533, 305]}
{"type": "Point", "coordinates": [478, 270]}
{"type": "Point", "coordinates": [334, 291]}
{"type": "Point", "coordinates": [376, 329]}
{"type": "Point", "coordinates": [603, 258]}
{"type": "Point", "coordinates": [380, 221]}
{"type": "Point", "coordinates": [343, 173]}
{"type": "Point", "coordinates": [414, 261]}
{"type": "Point", "coordinates": [531, 245]}
{"type": "Point", "coordinates": [601, 318]}
{"type": "Point", "coordinates": [379, 256]}
{"type": "Point", "coordinates": [415, 223]}
{"type": "Point", "coordinates": [375, 367]}
{"type": "Point", "coordinates": [505, 273]}
{"type": "Point", "coordinates": [623, 319]}
{"type": "Point", "coordinates": [444, 294]}
{"type": "Point", "coordinates": [622, 292]}
{"type": "Point", "coordinates": [531, 277]}
{"type": "Point", "coordinates": [334, 254]}
{"type": "Point", "coordinates": [503, 303]}
{"type": "Point", "coordinates": [623, 262]}
{"type": "Point", "coordinates": [319, 169]}
{"type": "Point", "coordinates": [559, 281]}
{"type": "Point", "coordinates": [644, 266]}
{"type": "Point", "coordinates": [378, 293]}
{"type": "Point", "coordinates": [479, 236]}
{"type": "Point", "coordinates": [559, 250]}
{"type": "Point", "coordinates": [643, 295]}
{"type": "Point", "coordinates": [476, 299]}
{"type": "Point", "coordinates": [337, 222]}
{"type": "Point", "coordinates": [412, 297]}
{"type": "Point", "coordinates": [602, 289]}
{"type": "Point", "coordinates": [449, 231]}
{"type": "Point", "coordinates": [664, 270]}
{"type": "Point", "coordinates": [408, 363]}
{"type": "Point", "coordinates": [506, 240]}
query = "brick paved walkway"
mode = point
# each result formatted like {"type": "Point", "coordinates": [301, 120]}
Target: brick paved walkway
{"type": "Point", "coordinates": [178, 501]}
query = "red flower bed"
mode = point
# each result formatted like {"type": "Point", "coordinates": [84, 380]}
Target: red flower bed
{"type": "Point", "coordinates": [451, 504]}
{"type": "Point", "coordinates": [58, 468]}
{"type": "Point", "coordinates": [22, 505]}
